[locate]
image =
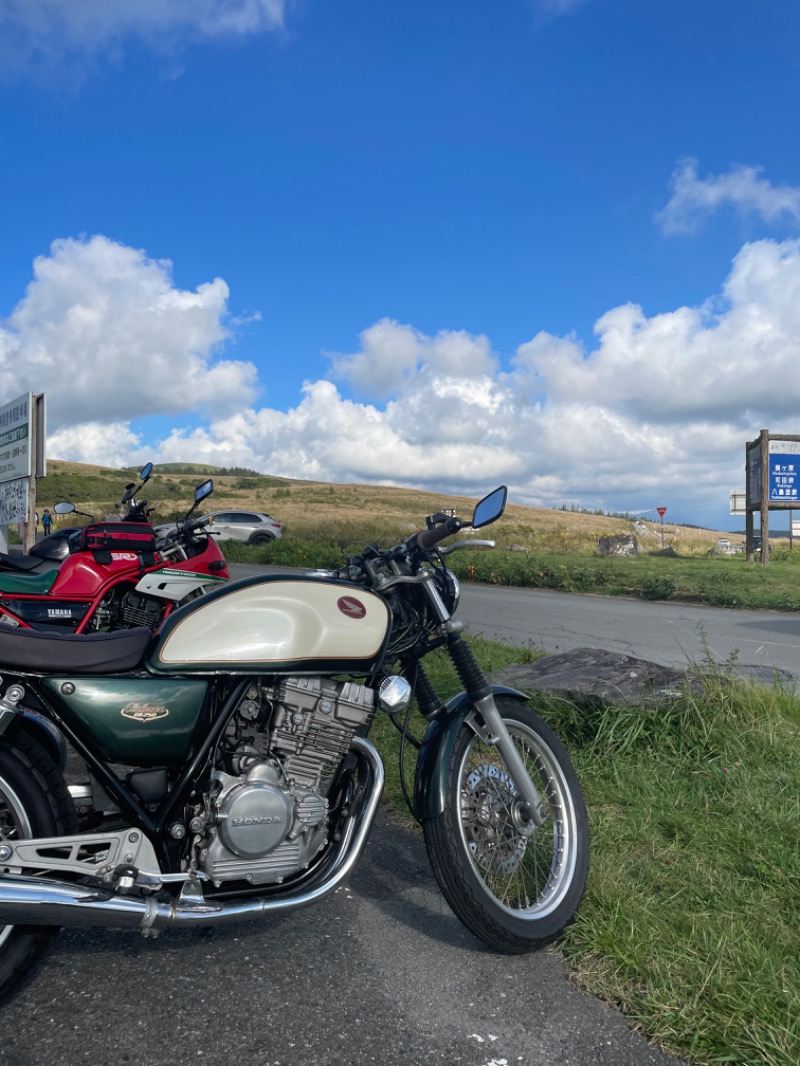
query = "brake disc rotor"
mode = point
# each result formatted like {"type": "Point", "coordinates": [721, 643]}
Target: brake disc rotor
{"type": "Point", "coordinates": [494, 820]}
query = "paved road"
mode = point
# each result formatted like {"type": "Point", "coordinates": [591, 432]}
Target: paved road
{"type": "Point", "coordinates": [380, 973]}
{"type": "Point", "coordinates": [667, 633]}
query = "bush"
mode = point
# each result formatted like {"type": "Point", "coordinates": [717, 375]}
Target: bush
{"type": "Point", "coordinates": [657, 587]}
{"type": "Point", "coordinates": [284, 552]}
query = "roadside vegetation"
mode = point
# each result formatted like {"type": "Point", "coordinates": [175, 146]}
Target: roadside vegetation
{"type": "Point", "coordinates": [689, 923]}
{"type": "Point", "coordinates": [721, 581]}
{"type": "Point", "coordinates": [338, 514]}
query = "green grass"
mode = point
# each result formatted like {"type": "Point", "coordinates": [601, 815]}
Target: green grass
{"type": "Point", "coordinates": [284, 552]}
{"type": "Point", "coordinates": [690, 920]}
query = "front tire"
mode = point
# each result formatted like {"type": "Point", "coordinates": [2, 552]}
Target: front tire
{"type": "Point", "coordinates": [34, 802]}
{"type": "Point", "coordinates": [514, 885]}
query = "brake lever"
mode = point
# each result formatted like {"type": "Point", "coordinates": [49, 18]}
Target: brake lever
{"type": "Point", "coordinates": [467, 544]}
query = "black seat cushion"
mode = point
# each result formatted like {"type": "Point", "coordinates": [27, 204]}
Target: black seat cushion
{"type": "Point", "coordinates": [55, 653]}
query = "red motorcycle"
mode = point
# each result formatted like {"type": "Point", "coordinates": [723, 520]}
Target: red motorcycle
{"type": "Point", "coordinates": [117, 575]}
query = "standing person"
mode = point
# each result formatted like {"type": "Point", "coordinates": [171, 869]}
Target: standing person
{"type": "Point", "coordinates": [47, 522]}
{"type": "Point", "coordinates": [36, 521]}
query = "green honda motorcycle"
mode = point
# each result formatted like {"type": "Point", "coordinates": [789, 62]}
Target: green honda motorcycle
{"type": "Point", "coordinates": [221, 770]}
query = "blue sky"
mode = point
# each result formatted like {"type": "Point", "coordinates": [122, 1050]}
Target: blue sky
{"type": "Point", "coordinates": [444, 244]}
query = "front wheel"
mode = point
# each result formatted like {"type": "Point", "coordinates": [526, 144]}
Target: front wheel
{"type": "Point", "coordinates": [515, 885]}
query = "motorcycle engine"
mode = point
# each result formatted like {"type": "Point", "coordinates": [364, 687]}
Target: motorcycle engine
{"type": "Point", "coordinates": [265, 817]}
{"type": "Point", "coordinates": [128, 610]}
{"type": "Point", "coordinates": [140, 610]}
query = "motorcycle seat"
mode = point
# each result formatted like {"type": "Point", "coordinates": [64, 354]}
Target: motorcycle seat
{"type": "Point", "coordinates": [18, 562]}
{"type": "Point", "coordinates": [32, 584]}
{"type": "Point", "coordinates": [54, 653]}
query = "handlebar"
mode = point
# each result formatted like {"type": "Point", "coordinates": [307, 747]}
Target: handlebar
{"type": "Point", "coordinates": [427, 539]}
{"type": "Point", "coordinates": [189, 525]}
{"type": "Point", "coordinates": [383, 569]}
{"type": "Point", "coordinates": [178, 538]}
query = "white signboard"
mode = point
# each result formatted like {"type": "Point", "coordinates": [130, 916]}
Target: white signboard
{"type": "Point", "coordinates": [14, 501]}
{"type": "Point", "coordinates": [16, 452]}
{"type": "Point", "coordinates": [738, 503]}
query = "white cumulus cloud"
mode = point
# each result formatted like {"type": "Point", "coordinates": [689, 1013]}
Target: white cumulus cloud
{"type": "Point", "coordinates": [732, 361]}
{"type": "Point", "coordinates": [660, 406]}
{"type": "Point", "coordinates": [742, 188]}
{"type": "Point", "coordinates": [103, 330]}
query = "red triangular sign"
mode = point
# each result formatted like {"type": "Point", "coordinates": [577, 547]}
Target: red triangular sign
{"type": "Point", "coordinates": [661, 511]}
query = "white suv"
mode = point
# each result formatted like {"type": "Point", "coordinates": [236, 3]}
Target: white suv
{"type": "Point", "coordinates": [250, 526]}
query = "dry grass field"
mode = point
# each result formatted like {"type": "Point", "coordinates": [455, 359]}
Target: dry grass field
{"type": "Point", "coordinates": [344, 512]}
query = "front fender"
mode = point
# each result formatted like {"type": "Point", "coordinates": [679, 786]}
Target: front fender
{"type": "Point", "coordinates": [430, 782]}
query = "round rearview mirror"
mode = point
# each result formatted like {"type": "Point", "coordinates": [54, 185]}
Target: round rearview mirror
{"type": "Point", "coordinates": [490, 507]}
{"type": "Point", "coordinates": [147, 470]}
{"type": "Point", "coordinates": [64, 508]}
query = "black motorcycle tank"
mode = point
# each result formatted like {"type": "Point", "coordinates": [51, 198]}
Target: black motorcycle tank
{"type": "Point", "coordinates": [275, 624]}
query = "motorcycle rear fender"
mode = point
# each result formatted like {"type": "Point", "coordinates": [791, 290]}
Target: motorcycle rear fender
{"type": "Point", "coordinates": [430, 782]}
{"type": "Point", "coordinates": [44, 732]}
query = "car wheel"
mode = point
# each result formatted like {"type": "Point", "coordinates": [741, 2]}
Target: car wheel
{"type": "Point", "coordinates": [259, 540]}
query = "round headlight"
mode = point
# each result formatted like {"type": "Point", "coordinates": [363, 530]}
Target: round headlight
{"type": "Point", "coordinates": [449, 589]}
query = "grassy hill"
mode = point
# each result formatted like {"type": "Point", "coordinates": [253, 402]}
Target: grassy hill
{"type": "Point", "coordinates": [344, 513]}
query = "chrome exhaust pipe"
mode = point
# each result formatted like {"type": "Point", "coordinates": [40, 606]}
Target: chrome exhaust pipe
{"type": "Point", "coordinates": [37, 901]}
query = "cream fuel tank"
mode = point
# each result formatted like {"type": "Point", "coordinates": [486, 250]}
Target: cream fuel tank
{"type": "Point", "coordinates": [273, 624]}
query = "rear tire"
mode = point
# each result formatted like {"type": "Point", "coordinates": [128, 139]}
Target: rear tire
{"type": "Point", "coordinates": [514, 885]}
{"type": "Point", "coordinates": [34, 802]}
{"type": "Point", "coordinates": [260, 540]}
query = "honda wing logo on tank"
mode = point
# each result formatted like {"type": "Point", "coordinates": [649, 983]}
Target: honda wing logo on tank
{"type": "Point", "coordinates": [352, 607]}
{"type": "Point", "coordinates": [143, 712]}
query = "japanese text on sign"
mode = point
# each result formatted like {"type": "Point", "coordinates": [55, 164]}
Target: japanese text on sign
{"type": "Point", "coordinates": [784, 482]}
{"type": "Point", "coordinates": [15, 442]}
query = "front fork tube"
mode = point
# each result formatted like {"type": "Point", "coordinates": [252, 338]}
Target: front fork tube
{"type": "Point", "coordinates": [487, 722]}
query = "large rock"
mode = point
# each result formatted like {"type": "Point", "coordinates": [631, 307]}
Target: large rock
{"type": "Point", "coordinates": [593, 677]}
{"type": "Point", "coordinates": [622, 544]}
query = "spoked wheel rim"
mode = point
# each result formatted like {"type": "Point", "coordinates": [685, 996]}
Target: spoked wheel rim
{"type": "Point", "coordinates": [525, 869]}
{"type": "Point", "coordinates": [14, 825]}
